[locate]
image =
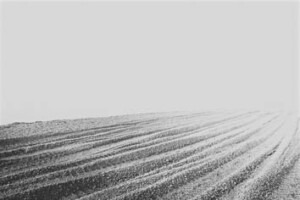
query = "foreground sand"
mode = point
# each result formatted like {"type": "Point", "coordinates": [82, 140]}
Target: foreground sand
{"type": "Point", "coordinates": [208, 155]}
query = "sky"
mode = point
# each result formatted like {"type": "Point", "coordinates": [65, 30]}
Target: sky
{"type": "Point", "coordinates": [63, 60]}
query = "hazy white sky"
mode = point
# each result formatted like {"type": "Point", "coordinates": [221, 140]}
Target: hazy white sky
{"type": "Point", "coordinates": [88, 59]}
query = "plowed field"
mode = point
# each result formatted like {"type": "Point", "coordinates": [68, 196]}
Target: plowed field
{"type": "Point", "coordinates": [208, 155]}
